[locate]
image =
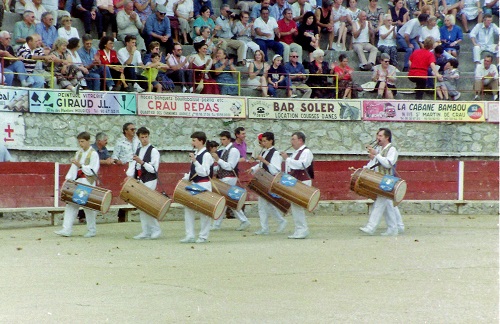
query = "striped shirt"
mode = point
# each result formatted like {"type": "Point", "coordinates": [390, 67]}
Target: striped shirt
{"type": "Point", "coordinates": [26, 53]}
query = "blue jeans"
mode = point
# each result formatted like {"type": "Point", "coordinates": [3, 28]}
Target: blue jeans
{"type": "Point", "coordinates": [16, 67]}
{"type": "Point", "coordinates": [284, 84]}
{"type": "Point", "coordinates": [264, 44]}
{"type": "Point", "coordinates": [402, 44]}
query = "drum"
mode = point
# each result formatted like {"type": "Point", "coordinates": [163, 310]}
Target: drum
{"type": "Point", "coordinates": [145, 199]}
{"type": "Point", "coordinates": [261, 183]}
{"type": "Point", "coordinates": [208, 203]}
{"type": "Point", "coordinates": [86, 196]}
{"type": "Point", "coordinates": [365, 182]}
{"type": "Point", "coordinates": [300, 194]}
{"type": "Point", "coordinates": [223, 189]}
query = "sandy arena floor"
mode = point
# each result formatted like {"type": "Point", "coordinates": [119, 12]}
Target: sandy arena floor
{"type": "Point", "coordinates": [444, 269]}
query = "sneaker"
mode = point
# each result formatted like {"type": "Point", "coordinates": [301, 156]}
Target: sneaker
{"type": "Point", "coordinates": [243, 226]}
{"type": "Point", "coordinates": [191, 90]}
{"type": "Point", "coordinates": [282, 226]}
{"type": "Point", "coordinates": [63, 233]}
{"type": "Point", "coordinates": [495, 97]}
{"type": "Point", "coordinates": [184, 89]}
{"type": "Point", "coordinates": [89, 234]}
{"type": "Point", "coordinates": [262, 232]}
{"type": "Point", "coordinates": [299, 235]}
{"type": "Point", "coordinates": [188, 240]}
{"type": "Point", "coordinates": [366, 230]}
{"type": "Point", "coordinates": [155, 235]}
{"type": "Point", "coordinates": [201, 240]}
{"type": "Point", "coordinates": [457, 96]}
{"type": "Point", "coordinates": [27, 82]}
{"type": "Point", "coordinates": [138, 88]}
{"type": "Point", "coordinates": [293, 95]}
{"type": "Point", "coordinates": [141, 236]}
{"type": "Point", "coordinates": [476, 97]}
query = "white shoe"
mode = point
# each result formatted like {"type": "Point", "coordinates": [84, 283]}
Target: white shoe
{"type": "Point", "coordinates": [495, 97]}
{"type": "Point", "coordinates": [366, 230]}
{"type": "Point", "coordinates": [138, 88]}
{"type": "Point", "coordinates": [262, 232]}
{"type": "Point", "coordinates": [191, 90]}
{"type": "Point", "coordinates": [63, 233]}
{"type": "Point", "coordinates": [282, 226]}
{"type": "Point", "coordinates": [299, 235]}
{"type": "Point", "coordinates": [155, 235]}
{"type": "Point", "coordinates": [201, 240]}
{"type": "Point", "coordinates": [457, 96]}
{"type": "Point", "coordinates": [401, 229]}
{"type": "Point", "coordinates": [27, 82]}
{"type": "Point", "coordinates": [243, 226]}
{"type": "Point", "coordinates": [184, 89]}
{"type": "Point", "coordinates": [142, 236]}
{"type": "Point", "coordinates": [188, 240]}
{"type": "Point", "coordinates": [390, 233]}
{"type": "Point", "coordinates": [476, 97]}
{"type": "Point", "coordinates": [215, 227]}
{"type": "Point", "coordinates": [89, 234]}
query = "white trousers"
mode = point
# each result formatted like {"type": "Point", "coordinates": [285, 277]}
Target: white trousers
{"type": "Point", "coordinates": [238, 213]}
{"type": "Point", "coordinates": [299, 215]}
{"type": "Point", "coordinates": [383, 206]}
{"type": "Point", "coordinates": [71, 211]}
{"type": "Point", "coordinates": [190, 215]}
{"type": "Point", "coordinates": [477, 50]}
{"type": "Point", "coordinates": [149, 224]}
{"type": "Point", "coordinates": [266, 208]}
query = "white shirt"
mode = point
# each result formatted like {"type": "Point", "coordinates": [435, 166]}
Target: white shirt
{"type": "Point", "coordinates": [426, 32]}
{"type": "Point", "coordinates": [87, 169]}
{"type": "Point", "coordinates": [364, 35]}
{"type": "Point", "coordinates": [481, 71]}
{"type": "Point", "coordinates": [296, 9]}
{"type": "Point", "coordinates": [151, 167]}
{"type": "Point", "coordinates": [264, 27]}
{"type": "Point", "coordinates": [390, 40]}
{"type": "Point", "coordinates": [123, 56]}
{"type": "Point", "coordinates": [387, 162]}
{"type": "Point", "coordinates": [275, 163]}
{"type": "Point", "coordinates": [411, 28]}
{"type": "Point", "coordinates": [203, 169]}
{"type": "Point", "coordinates": [63, 33]}
{"type": "Point", "coordinates": [232, 160]}
{"type": "Point", "coordinates": [304, 161]}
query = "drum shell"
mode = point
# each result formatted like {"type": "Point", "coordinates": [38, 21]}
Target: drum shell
{"type": "Point", "coordinates": [261, 184]}
{"type": "Point", "coordinates": [145, 199]}
{"type": "Point", "coordinates": [208, 203]}
{"type": "Point", "coordinates": [99, 198]}
{"type": "Point", "coordinates": [365, 182]}
{"type": "Point", "coordinates": [222, 189]}
{"type": "Point", "coordinates": [300, 194]}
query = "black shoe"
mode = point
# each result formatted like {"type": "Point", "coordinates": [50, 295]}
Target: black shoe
{"type": "Point", "coordinates": [405, 69]}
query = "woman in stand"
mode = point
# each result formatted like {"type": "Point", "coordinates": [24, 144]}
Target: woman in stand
{"type": "Point", "coordinates": [66, 31]}
{"type": "Point", "coordinates": [257, 71]}
{"type": "Point", "coordinates": [451, 35]}
{"type": "Point", "coordinates": [144, 9]}
{"type": "Point", "coordinates": [224, 69]}
{"type": "Point", "coordinates": [277, 78]}
{"type": "Point", "coordinates": [343, 71]}
{"type": "Point", "coordinates": [387, 39]}
{"type": "Point", "coordinates": [109, 58]}
{"type": "Point", "coordinates": [385, 76]}
{"type": "Point", "coordinates": [319, 71]}
{"type": "Point", "coordinates": [201, 63]}
{"type": "Point", "coordinates": [308, 34]}
{"type": "Point", "coordinates": [399, 14]}
{"type": "Point", "coordinates": [73, 45]}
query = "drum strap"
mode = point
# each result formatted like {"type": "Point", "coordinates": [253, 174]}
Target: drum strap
{"type": "Point", "coordinates": [304, 174]}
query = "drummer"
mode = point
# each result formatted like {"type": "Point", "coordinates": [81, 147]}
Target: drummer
{"type": "Point", "coordinates": [383, 159]}
{"type": "Point", "coordinates": [201, 172]}
{"type": "Point", "coordinates": [144, 167]}
{"type": "Point", "coordinates": [299, 166]}
{"type": "Point", "coordinates": [269, 160]}
{"type": "Point", "coordinates": [84, 168]}
{"type": "Point", "coordinates": [227, 172]}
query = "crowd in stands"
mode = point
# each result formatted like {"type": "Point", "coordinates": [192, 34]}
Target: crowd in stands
{"type": "Point", "coordinates": [46, 50]}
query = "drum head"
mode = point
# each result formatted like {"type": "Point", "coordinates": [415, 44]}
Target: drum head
{"type": "Point", "coordinates": [219, 208]}
{"type": "Point", "coordinates": [399, 191]}
{"type": "Point", "coordinates": [313, 201]}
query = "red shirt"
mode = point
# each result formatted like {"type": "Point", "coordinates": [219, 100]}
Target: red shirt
{"type": "Point", "coordinates": [113, 57]}
{"type": "Point", "coordinates": [285, 27]}
{"type": "Point", "coordinates": [421, 60]}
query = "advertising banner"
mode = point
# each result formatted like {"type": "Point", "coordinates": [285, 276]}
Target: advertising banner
{"type": "Point", "coordinates": [305, 109]}
{"type": "Point", "coordinates": [11, 129]}
{"type": "Point", "coordinates": [427, 111]}
{"type": "Point", "coordinates": [14, 99]}
{"type": "Point", "coordinates": [492, 111]}
{"type": "Point", "coordinates": [96, 103]}
{"type": "Point", "coordinates": [193, 105]}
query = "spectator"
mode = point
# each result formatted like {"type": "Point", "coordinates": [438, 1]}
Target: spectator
{"type": "Point", "coordinates": [430, 30]}
{"type": "Point", "coordinates": [4, 154]}
{"type": "Point", "coordinates": [184, 12]}
{"type": "Point", "coordinates": [319, 72]}
{"type": "Point", "coordinates": [101, 140]}
{"type": "Point", "coordinates": [264, 4]}
{"type": "Point", "coordinates": [37, 8]}
{"type": "Point", "coordinates": [399, 14]}
{"type": "Point", "coordinates": [287, 31]}
{"type": "Point", "coordinates": [280, 7]}
{"type": "Point", "coordinates": [451, 35]}
{"type": "Point", "coordinates": [297, 74]}
{"type": "Point", "coordinates": [203, 20]}
{"type": "Point", "coordinates": [130, 59]}
{"type": "Point", "coordinates": [19, 6]}
{"type": "Point", "coordinates": [447, 85]}
{"type": "Point", "coordinates": [387, 39]}
{"type": "Point", "coordinates": [384, 75]}
{"type": "Point", "coordinates": [46, 30]}
{"type": "Point", "coordinates": [87, 11]}
{"type": "Point", "coordinates": [129, 23]}
{"type": "Point", "coordinates": [490, 7]}
{"type": "Point", "coordinates": [299, 9]}
{"type": "Point", "coordinates": [339, 19]}
{"type": "Point", "coordinates": [413, 10]}
{"type": "Point", "coordinates": [161, 66]}
{"type": "Point", "coordinates": [172, 18]}
{"type": "Point", "coordinates": [484, 37]}
{"type": "Point", "coordinates": [66, 31]}
{"type": "Point", "coordinates": [374, 14]}
{"type": "Point", "coordinates": [324, 20]}
{"type": "Point", "coordinates": [451, 7]}
{"type": "Point", "coordinates": [240, 143]}
{"type": "Point", "coordinates": [73, 45]}
{"type": "Point", "coordinates": [68, 75]}
{"type": "Point", "coordinates": [352, 15]}
{"type": "Point", "coordinates": [441, 60]}
{"type": "Point", "coordinates": [11, 63]}
{"type": "Point", "coordinates": [420, 60]}
{"type": "Point", "coordinates": [151, 70]}
{"type": "Point", "coordinates": [126, 146]}
{"type": "Point", "coordinates": [471, 10]}
{"type": "Point", "coordinates": [243, 30]}
{"type": "Point", "coordinates": [224, 69]}
{"type": "Point", "coordinates": [486, 77]}
{"type": "Point", "coordinates": [30, 53]}
{"type": "Point", "coordinates": [109, 59]}
{"type": "Point", "coordinates": [208, 37]}
{"type": "Point", "coordinates": [226, 23]}
{"type": "Point", "coordinates": [266, 29]}
{"type": "Point", "coordinates": [245, 5]}
{"type": "Point", "coordinates": [407, 36]}
{"type": "Point", "coordinates": [347, 88]}
{"type": "Point", "coordinates": [361, 30]}
{"type": "Point", "coordinates": [199, 4]}
{"type": "Point", "coordinates": [90, 60]}
{"type": "Point", "coordinates": [257, 71]}
{"type": "Point", "coordinates": [432, 4]}
{"type": "Point", "coordinates": [201, 63]}
{"type": "Point", "coordinates": [107, 11]}
{"type": "Point", "coordinates": [277, 77]}
{"type": "Point", "coordinates": [179, 69]}
{"type": "Point", "coordinates": [52, 6]}
{"type": "Point", "coordinates": [158, 28]}
{"type": "Point", "coordinates": [145, 9]}
{"type": "Point", "coordinates": [24, 28]}
{"type": "Point", "coordinates": [308, 35]}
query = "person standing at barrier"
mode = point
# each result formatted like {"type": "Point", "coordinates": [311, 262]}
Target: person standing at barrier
{"type": "Point", "coordinates": [269, 160]}
{"type": "Point", "coordinates": [383, 159]}
{"type": "Point", "coordinates": [145, 168]}
{"type": "Point", "coordinates": [101, 140]}
{"type": "Point", "coordinates": [201, 172]}
{"type": "Point", "coordinates": [228, 173]}
{"type": "Point", "coordinates": [84, 168]}
{"type": "Point", "coordinates": [299, 166]}
{"type": "Point", "coordinates": [240, 142]}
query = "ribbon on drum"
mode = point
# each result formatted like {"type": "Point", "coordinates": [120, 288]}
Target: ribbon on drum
{"type": "Point", "coordinates": [388, 182]}
{"type": "Point", "coordinates": [288, 180]}
{"type": "Point", "coordinates": [81, 195]}
{"type": "Point", "coordinates": [235, 193]}
{"type": "Point", "coordinates": [195, 189]}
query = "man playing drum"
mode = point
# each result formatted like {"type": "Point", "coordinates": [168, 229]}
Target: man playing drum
{"type": "Point", "coordinates": [228, 172]}
{"type": "Point", "coordinates": [269, 160]}
{"type": "Point", "coordinates": [84, 168]}
{"type": "Point", "coordinates": [200, 174]}
{"type": "Point", "coordinates": [383, 159]}
{"type": "Point", "coordinates": [144, 167]}
{"type": "Point", "coordinates": [299, 166]}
